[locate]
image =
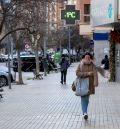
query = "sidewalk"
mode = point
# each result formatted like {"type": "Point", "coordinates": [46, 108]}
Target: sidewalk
{"type": "Point", "coordinates": [46, 104]}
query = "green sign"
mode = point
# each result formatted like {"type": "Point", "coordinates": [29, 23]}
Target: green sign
{"type": "Point", "coordinates": [70, 14]}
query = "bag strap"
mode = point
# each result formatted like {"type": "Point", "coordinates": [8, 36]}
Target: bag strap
{"type": "Point", "coordinates": [81, 66]}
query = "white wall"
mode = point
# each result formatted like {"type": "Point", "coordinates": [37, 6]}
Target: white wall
{"type": "Point", "coordinates": [101, 48]}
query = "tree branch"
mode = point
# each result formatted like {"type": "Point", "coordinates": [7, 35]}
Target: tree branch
{"type": "Point", "coordinates": [14, 31]}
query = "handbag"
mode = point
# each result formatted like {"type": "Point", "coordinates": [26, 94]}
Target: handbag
{"type": "Point", "coordinates": [82, 86]}
{"type": "Point", "coordinates": [73, 86]}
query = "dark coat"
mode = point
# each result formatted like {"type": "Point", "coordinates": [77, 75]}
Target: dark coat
{"type": "Point", "coordinates": [105, 61]}
{"type": "Point", "coordinates": [64, 65]}
{"type": "Point", "coordinates": [82, 71]}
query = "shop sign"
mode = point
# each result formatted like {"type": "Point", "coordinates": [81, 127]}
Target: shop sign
{"type": "Point", "coordinates": [102, 12]}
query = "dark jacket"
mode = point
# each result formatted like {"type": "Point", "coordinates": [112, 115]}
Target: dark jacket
{"type": "Point", "coordinates": [64, 64]}
{"type": "Point", "coordinates": [105, 61]}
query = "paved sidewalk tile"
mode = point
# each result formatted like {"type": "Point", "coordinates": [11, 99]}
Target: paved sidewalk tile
{"type": "Point", "coordinates": [46, 104]}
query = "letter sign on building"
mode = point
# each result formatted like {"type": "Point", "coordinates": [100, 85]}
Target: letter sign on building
{"type": "Point", "coordinates": [70, 15]}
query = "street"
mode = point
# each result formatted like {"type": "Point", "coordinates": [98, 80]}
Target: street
{"type": "Point", "coordinates": [46, 104]}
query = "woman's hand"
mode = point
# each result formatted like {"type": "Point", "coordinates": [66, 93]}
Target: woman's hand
{"type": "Point", "coordinates": [90, 73]}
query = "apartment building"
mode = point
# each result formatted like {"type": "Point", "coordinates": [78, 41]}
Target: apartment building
{"type": "Point", "coordinates": [84, 24]}
{"type": "Point", "coordinates": [84, 7]}
{"type": "Point", "coordinates": [60, 6]}
{"type": "Point", "coordinates": [106, 13]}
{"type": "Point", "coordinates": [54, 18]}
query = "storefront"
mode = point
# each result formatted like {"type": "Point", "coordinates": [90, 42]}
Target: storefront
{"type": "Point", "coordinates": [106, 13]}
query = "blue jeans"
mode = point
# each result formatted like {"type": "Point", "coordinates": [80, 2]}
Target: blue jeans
{"type": "Point", "coordinates": [84, 103]}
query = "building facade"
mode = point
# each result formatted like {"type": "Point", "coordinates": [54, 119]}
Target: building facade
{"type": "Point", "coordinates": [84, 7]}
{"type": "Point", "coordinates": [84, 22]}
{"type": "Point", "coordinates": [108, 17]}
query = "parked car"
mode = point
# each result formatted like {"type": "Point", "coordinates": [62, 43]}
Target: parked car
{"type": "Point", "coordinates": [4, 76]}
{"type": "Point", "coordinates": [28, 63]}
{"type": "Point", "coordinates": [2, 58]}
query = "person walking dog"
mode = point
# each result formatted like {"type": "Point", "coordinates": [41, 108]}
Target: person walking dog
{"type": "Point", "coordinates": [87, 69]}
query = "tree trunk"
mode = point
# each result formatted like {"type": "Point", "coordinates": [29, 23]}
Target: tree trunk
{"type": "Point", "coordinates": [20, 80]}
{"type": "Point", "coordinates": [37, 59]}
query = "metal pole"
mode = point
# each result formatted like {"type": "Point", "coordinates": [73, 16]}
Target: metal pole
{"type": "Point", "coordinates": [9, 68]}
{"type": "Point", "coordinates": [8, 49]}
{"type": "Point", "coordinates": [60, 46]}
{"type": "Point", "coordinates": [69, 46]}
{"type": "Point", "coordinates": [45, 46]}
{"type": "Point", "coordinates": [45, 61]}
{"type": "Point", "coordinates": [11, 54]}
{"type": "Point", "coordinates": [45, 40]}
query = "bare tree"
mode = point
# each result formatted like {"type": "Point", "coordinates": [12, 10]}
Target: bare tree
{"type": "Point", "coordinates": [24, 15]}
{"type": "Point", "coordinates": [35, 20]}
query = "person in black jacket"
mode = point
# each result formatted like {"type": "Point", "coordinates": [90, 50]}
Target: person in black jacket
{"type": "Point", "coordinates": [105, 62]}
{"type": "Point", "coordinates": [63, 66]}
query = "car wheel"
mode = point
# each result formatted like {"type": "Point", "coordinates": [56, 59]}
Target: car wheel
{"type": "Point", "coordinates": [3, 81]}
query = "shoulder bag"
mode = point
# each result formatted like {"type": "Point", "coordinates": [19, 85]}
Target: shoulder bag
{"type": "Point", "coordinates": [82, 86]}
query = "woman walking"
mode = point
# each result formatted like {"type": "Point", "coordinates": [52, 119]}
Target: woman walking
{"type": "Point", "coordinates": [87, 69]}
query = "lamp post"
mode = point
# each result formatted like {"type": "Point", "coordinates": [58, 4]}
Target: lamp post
{"type": "Point", "coordinates": [7, 23]}
{"type": "Point", "coordinates": [70, 15]}
{"type": "Point", "coordinates": [45, 54]}
{"type": "Point", "coordinates": [69, 45]}
{"type": "Point", "coordinates": [9, 67]}
{"type": "Point", "coordinates": [45, 39]}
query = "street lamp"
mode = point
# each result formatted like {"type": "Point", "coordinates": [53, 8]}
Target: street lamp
{"type": "Point", "coordinates": [7, 23]}
{"type": "Point", "coordinates": [45, 54]}
{"type": "Point", "coordinates": [69, 45]}
{"type": "Point", "coordinates": [9, 66]}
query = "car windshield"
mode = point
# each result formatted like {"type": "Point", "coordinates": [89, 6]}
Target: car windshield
{"type": "Point", "coordinates": [28, 59]}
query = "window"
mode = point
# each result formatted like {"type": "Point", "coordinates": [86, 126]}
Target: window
{"type": "Point", "coordinates": [87, 12]}
{"type": "Point", "coordinates": [86, 8]}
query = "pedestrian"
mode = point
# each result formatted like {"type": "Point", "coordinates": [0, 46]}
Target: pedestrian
{"type": "Point", "coordinates": [105, 64]}
{"type": "Point", "coordinates": [87, 69]}
{"type": "Point", "coordinates": [63, 67]}
{"type": "Point", "coordinates": [45, 65]}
